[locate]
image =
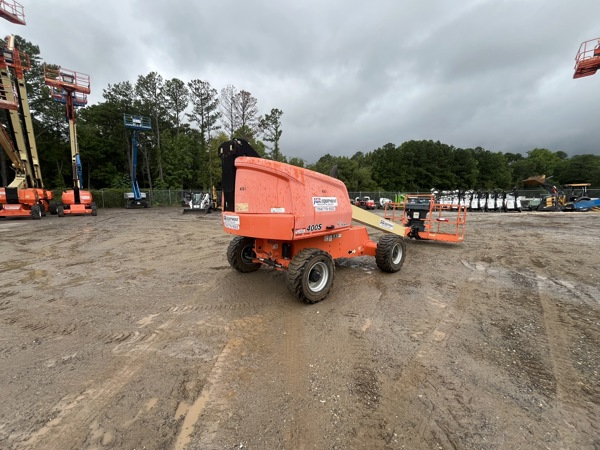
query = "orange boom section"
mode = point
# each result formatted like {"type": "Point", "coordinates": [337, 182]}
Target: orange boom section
{"type": "Point", "coordinates": [274, 200]}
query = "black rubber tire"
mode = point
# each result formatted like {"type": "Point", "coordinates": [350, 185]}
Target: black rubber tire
{"type": "Point", "coordinates": [390, 253]}
{"type": "Point", "coordinates": [310, 275]}
{"type": "Point", "coordinates": [94, 209]}
{"type": "Point", "coordinates": [60, 210]}
{"type": "Point", "coordinates": [240, 253]}
{"type": "Point", "coordinates": [43, 209]}
{"type": "Point", "coordinates": [36, 212]}
{"type": "Point", "coordinates": [52, 207]}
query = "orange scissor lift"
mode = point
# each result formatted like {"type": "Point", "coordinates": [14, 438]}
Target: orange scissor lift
{"type": "Point", "coordinates": [72, 88]}
{"type": "Point", "coordinates": [298, 221]}
{"type": "Point", "coordinates": [425, 218]}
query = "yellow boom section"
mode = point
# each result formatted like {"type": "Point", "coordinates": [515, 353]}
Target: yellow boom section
{"type": "Point", "coordinates": [375, 221]}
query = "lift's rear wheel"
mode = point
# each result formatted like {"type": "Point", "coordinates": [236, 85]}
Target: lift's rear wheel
{"type": "Point", "coordinates": [60, 210]}
{"type": "Point", "coordinates": [94, 209]}
{"type": "Point", "coordinates": [240, 254]}
{"type": "Point", "coordinates": [310, 275]}
{"type": "Point", "coordinates": [390, 253]}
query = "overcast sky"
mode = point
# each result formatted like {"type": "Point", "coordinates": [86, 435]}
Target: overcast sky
{"type": "Point", "coordinates": [352, 75]}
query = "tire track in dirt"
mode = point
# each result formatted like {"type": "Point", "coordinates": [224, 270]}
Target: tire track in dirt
{"type": "Point", "coordinates": [401, 398]}
{"type": "Point", "coordinates": [414, 407]}
{"type": "Point", "coordinates": [298, 432]}
{"type": "Point", "coordinates": [75, 413]}
{"type": "Point", "coordinates": [575, 426]}
{"type": "Point", "coordinates": [218, 391]}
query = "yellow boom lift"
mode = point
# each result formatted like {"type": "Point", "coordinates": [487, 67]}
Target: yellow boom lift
{"type": "Point", "coordinates": [25, 196]}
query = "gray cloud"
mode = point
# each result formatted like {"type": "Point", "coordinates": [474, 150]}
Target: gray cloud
{"type": "Point", "coordinates": [352, 76]}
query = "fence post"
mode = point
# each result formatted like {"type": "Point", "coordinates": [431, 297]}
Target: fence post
{"type": "Point", "coordinates": [169, 196]}
{"type": "Point", "coordinates": [102, 198]}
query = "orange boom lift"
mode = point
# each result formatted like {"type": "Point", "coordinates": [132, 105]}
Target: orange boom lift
{"type": "Point", "coordinates": [297, 220]}
{"type": "Point", "coordinates": [72, 88]}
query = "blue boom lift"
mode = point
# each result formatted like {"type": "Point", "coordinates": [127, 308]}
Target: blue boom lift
{"type": "Point", "coordinates": [136, 199]}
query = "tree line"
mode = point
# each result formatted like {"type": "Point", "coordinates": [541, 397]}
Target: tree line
{"type": "Point", "coordinates": [191, 119]}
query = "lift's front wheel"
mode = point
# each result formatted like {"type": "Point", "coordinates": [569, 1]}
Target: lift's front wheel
{"type": "Point", "coordinates": [36, 212]}
{"type": "Point", "coordinates": [310, 275]}
{"type": "Point", "coordinates": [390, 253]}
{"type": "Point", "coordinates": [240, 254]}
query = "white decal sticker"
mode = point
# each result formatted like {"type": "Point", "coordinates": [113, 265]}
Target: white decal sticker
{"type": "Point", "coordinates": [386, 224]}
{"type": "Point", "coordinates": [277, 210]}
{"type": "Point", "coordinates": [301, 231]}
{"type": "Point", "coordinates": [232, 222]}
{"type": "Point", "coordinates": [325, 202]}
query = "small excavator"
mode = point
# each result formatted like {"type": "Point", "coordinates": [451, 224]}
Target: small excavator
{"type": "Point", "coordinates": [298, 221]}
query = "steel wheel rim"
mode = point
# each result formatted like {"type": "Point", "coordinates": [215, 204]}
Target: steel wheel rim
{"type": "Point", "coordinates": [318, 275]}
{"type": "Point", "coordinates": [396, 254]}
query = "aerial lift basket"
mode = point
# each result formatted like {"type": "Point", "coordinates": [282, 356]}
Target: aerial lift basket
{"type": "Point", "coordinates": [424, 218]}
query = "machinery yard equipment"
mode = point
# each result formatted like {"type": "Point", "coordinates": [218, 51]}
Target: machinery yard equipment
{"type": "Point", "coordinates": [298, 221]}
{"type": "Point", "coordinates": [570, 197]}
{"type": "Point", "coordinates": [72, 88]}
{"type": "Point", "coordinates": [25, 196]}
{"type": "Point", "coordinates": [425, 218]}
{"type": "Point", "coordinates": [197, 202]}
{"type": "Point", "coordinates": [136, 198]}
{"type": "Point", "coordinates": [364, 202]}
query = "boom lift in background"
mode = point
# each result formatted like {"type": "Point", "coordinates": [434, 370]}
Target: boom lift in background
{"type": "Point", "coordinates": [587, 62]}
{"type": "Point", "coordinates": [135, 198]}
{"type": "Point", "coordinates": [72, 88]}
{"type": "Point", "coordinates": [25, 196]}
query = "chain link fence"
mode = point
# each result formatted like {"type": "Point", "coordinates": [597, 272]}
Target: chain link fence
{"type": "Point", "coordinates": [114, 198]}
{"type": "Point", "coordinates": [396, 196]}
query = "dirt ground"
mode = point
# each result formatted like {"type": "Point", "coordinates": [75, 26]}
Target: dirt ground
{"type": "Point", "coordinates": [130, 330]}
